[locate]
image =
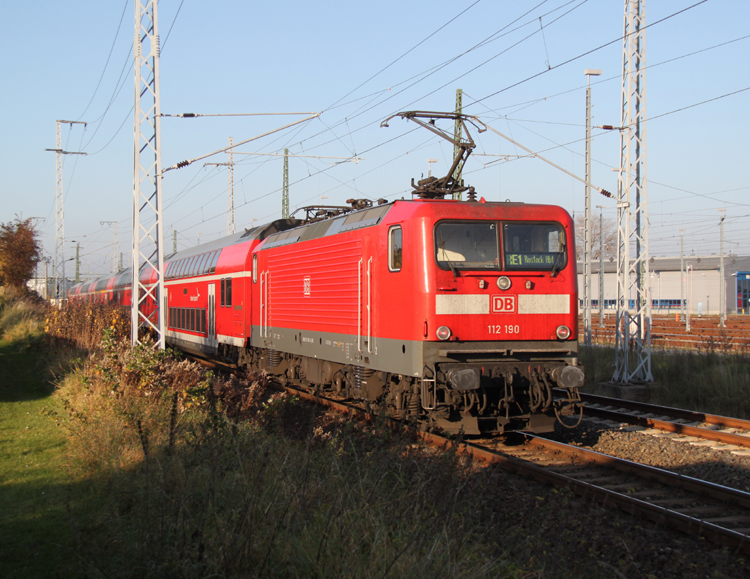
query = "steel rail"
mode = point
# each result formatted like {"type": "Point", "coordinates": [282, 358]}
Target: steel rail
{"type": "Point", "coordinates": [677, 413]}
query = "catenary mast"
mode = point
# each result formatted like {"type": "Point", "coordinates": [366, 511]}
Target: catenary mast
{"type": "Point", "coordinates": [633, 331]}
{"type": "Point", "coordinates": [148, 224]}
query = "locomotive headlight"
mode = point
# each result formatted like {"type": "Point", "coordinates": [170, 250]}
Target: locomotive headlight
{"type": "Point", "coordinates": [443, 333]}
{"type": "Point", "coordinates": [563, 332]}
{"type": "Point", "coordinates": [503, 282]}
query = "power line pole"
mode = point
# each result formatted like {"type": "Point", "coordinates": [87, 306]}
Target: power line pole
{"type": "Point", "coordinates": [117, 247]}
{"type": "Point", "coordinates": [723, 289]}
{"type": "Point", "coordinates": [230, 188]}
{"type": "Point", "coordinates": [285, 187]}
{"type": "Point", "coordinates": [601, 265]}
{"type": "Point", "coordinates": [457, 132]}
{"type": "Point", "coordinates": [633, 331]}
{"type": "Point", "coordinates": [682, 275]}
{"type": "Point", "coordinates": [148, 223]}
{"type": "Point", "coordinates": [589, 72]}
{"type": "Point", "coordinates": [78, 262]}
{"type": "Point", "coordinates": [59, 264]}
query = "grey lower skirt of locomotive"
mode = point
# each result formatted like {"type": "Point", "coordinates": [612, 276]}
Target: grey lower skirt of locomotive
{"type": "Point", "coordinates": [494, 397]}
{"type": "Point", "coordinates": [469, 390]}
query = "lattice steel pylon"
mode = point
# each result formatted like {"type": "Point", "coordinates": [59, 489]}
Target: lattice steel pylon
{"type": "Point", "coordinates": [457, 132]}
{"type": "Point", "coordinates": [633, 334]}
{"type": "Point", "coordinates": [148, 224]}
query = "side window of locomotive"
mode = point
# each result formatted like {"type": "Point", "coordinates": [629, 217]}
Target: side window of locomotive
{"type": "Point", "coordinates": [536, 246]}
{"type": "Point", "coordinates": [466, 245]}
{"type": "Point", "coordinates": [255, 268]}
{"type": "Point", "coordinates": [395, 248]}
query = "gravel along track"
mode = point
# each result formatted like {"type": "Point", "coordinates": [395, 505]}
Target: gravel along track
{"type": "Point", "coordinates": [705, 460]}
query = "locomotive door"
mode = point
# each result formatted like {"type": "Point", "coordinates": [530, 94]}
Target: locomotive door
{"type": "Point", "coordinates": [212, 314]}
{"type": "Point", "coordinates": [365, 298]}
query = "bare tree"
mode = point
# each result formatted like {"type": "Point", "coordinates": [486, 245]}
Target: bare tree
{"type": "Point", "coordinates": [610, 238]}
{"type": "Point", "coordinates": [19, 252]}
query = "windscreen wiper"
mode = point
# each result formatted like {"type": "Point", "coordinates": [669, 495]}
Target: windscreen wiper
{"type": "Point", "coordinates": [454, 271]}
{"type": "Point", "coordinates": [557, 266]}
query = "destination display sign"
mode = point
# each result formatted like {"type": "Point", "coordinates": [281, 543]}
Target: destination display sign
{"type": "Point", "coordinates": [531, 260]}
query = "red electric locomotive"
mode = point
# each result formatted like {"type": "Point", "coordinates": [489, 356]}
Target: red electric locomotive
{"type": "Point", "coordinates": [461, 313]}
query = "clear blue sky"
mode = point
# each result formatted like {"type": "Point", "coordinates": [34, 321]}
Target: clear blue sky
{"type": "Point", "coordinates": [358, 63]}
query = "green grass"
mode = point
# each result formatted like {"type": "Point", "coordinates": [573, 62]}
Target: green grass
{"type": "Point", "coordinates": [35, 485]}
{"type": "Point", "coordinates": [711, 382]}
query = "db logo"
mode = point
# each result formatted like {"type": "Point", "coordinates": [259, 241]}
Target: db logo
{"type": "Point", "coordinates": [306, 286]}
{"type": "Point", "coordinates": [503, 304]}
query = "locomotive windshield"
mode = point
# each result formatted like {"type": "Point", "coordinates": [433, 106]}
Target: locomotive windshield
{"type": "Point", "coordinates": [539, 246]}
{"type": "Point", "coordinates": [467, 245]}
{"type": "Point", "coordinates": [476, 245]}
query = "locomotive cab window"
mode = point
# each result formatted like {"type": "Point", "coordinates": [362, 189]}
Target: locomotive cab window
{"type": "Point", "coordinates": [466, 245]}
{"type": "Point", "coordinates": [536, 246]}
{"type": "Point", "coordinates": [395, 248]}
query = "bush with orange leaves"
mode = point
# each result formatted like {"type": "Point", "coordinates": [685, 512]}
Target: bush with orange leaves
{"type": "Point", "coordinates": [83, 325]}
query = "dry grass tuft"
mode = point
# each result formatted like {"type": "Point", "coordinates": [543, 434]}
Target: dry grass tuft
{"type": "Point", "coordinates": [21, 316]}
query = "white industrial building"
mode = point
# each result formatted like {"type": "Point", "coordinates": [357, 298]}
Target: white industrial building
{"type": "Point", "coordinates": [702, 285]}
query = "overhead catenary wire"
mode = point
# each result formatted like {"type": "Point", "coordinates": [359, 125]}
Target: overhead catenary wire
{"type": "Point", "coordinates": [348, 133]}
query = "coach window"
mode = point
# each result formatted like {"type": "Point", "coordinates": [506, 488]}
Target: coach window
{"type": "Point", "coordinates": [229, 292]}
{"type": "Point", "coordinates": [214, 261]}
{"type": "Point", "coordinates": [203, 320]}
{"type": "Point", "coordinates": [255, 268]}
{"type": "Point", "coordinates": [192, 319]}
{"type": "Point", "coordinates": [223, 291]}
{"type": "Point", "coordinates": [199, 264]}
{"type": "Point", "coordinates": [395, 247]}
{"type": "Point", "coordinates": [205, 262]}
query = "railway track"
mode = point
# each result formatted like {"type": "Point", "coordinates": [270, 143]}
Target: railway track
{"type": "Point", "coordinates": [732, 434]}
{"type": "Point", "coordinates": [717, 513]}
